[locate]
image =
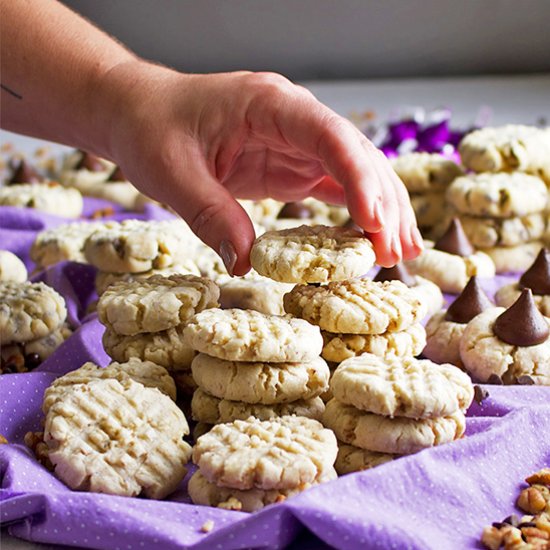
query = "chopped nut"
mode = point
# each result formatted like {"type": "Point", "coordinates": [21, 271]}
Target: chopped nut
{"type": "Point", "coordinates": [207, 526]}
{"type": "Point", "coordinates": [280, 498]}
{"type": "Point", "coordinates": [3, 440]}
{"type": "Point", "coordinates": [534, 533]}
{"type": "Point", "coordinates": [231, 504]}
{"type": "Point", "coordinates": [102, 213]}
{"type": "Point", "coordinates": [541, 477]}
{"type": "Point", "coordinates": [533, 500]}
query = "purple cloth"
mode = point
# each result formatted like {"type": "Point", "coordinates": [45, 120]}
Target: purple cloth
{"type": "Point", "coordinates": [438, 498]}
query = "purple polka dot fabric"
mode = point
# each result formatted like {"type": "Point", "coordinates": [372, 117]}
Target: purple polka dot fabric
{"type": "Point", "coordinates": [439, 498]}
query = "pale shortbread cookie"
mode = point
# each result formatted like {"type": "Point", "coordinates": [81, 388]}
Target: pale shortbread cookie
{"type": "Point", "coordinates": [103, 280]}
{"type": "Point", "coordinates": [281, 453]}
{"type": "Point", "coordinates": [51, 198]}
{"type": "Point", "coordinates": [119, 192]}
{"type": "Point", "coordinates": [499, 195]}
{"type": "Point", "coordinates": [155, 304]}
{"type": "Point", "coordinates": [422, 172]}
{"type": "Point", "coordinates": [360, 306]}
{"type": "Point", "coordinates": [13, 270]}
{"type": "Point", "coordinates": [408, 342]}
{"type": "Point", "coordinates": [312, 254]}
{"type": "Point", "coordinates": [205, 493]}
{"type": "Point", "coordinates": [144, 372]}
{"type": "Point", "coordinates": [264, 383]}
{"type": "Point", "coordinates": [484, 354]}
{"type": "Point", "coordinates": [391, 435]}
{"type": "Point", "coordinates": [354, 459]}
{"type": "Point", "coordinates": [265, 296]}
{"type": "Point", "coordinates": [443, 340]}
{"type": "Point", "coordinates": [450, 272]}
{"type": "Point", "coordinates": [83, 179]}
{"type": "Point", "coordinates": [508, 294]}
{"type": "Point", "coordinates": [64, 242]}
{"type": "Point", "coordinates": [118, 438]}
{"type": "Point", "coordinates": [211, 410]}
{"type": "Point", "coordinates": [260, 211]}
{"type": "Point", "coordinates": [489, 232]}
{"type": "Point", "coordinates": [401, 386]}
{"type": "Point", "coordinates": [243, 335]}
{"type": "Point", "coordinates": [514, 258]}
{"type": "Point", "coordinates": [165, 348]}
{"type": "Point", "coordinates": [429, 293]}
{"type": "Point", "coordinates": [134, 246]}
{"type": "Point", "coordinates": [29, 311]}
{"type": "Point", "coordinates": [429, 208]}
{"type": "Point", "coordinates": [508, 148]}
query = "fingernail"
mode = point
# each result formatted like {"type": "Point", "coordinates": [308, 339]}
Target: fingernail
{"type": "Point", "coordinates": [229, 256]}
{"type": "Point", "coordinates": [396, 246]}
{"type": "Point", "coordinates": [377, 214]}
{"type": "Point", "coordinates": [417, 238]}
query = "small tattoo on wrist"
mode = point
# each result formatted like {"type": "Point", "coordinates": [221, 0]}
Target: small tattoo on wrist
{"type": "Point", "coordinates": [11, 92]}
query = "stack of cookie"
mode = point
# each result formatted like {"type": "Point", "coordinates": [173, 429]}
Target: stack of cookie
{"type": "Point", "coordinates": [145, 319]}
{"type": "Point", "coordinates": [503, 207]}
{"type": "Point", "coordinates": [384, 408]}
{"type": "Point", "coordinates": [427, 176]}
{"type": "Point", "coordinates": [252, 364]}
{"type": "Point", "coordinates": [32, 324]}
{"type": "Point", "coordinates": [248, 464]}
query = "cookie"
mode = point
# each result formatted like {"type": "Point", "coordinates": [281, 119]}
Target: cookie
{"type": "Point", "coordinates": [498, 195]}
{"type": "Point", "coordinates": [260, 382]}
{"type": "Point", "coordinates": [312, 254]}
{"type": "Point", "coordinates": [508, 294]}
{"type": "Point", "coordinates": [165, 348]}
{"type": "Point", "coordinates": [401, 386]}
{"type": "Point", "coordinates": [514, 258]}
{"type": "Point", "coordinates": [281, 453]}
{"type": "Point", "coordinates": [354, 459]}
{"type": "Point", "coordinates": [13, 270]}
{"type": "Point", "coordinates": [205, 493]}
{"type": "Point", "coordinates": [155, 304]}
{"type": "Point", "coordinates": [408, 342]}
{"type": "Point", "coordinates": [134, 246]}
{"type": "Point", "coordinates": [359, 306]}
{"type": "Point", "coordinates": [62, 243]}
{"type": "Point", "coordinates": [391, 435]}
{"type": "Point", "coordinates": [243, 335]}
{"type": "Point", "coordinates": [118, 438]}
{"type": "Point", "coordinates": [429, 294]}
{"type": "Point", "coordinates": [45, 197]}
{"type": "Point", "coordinates": [443, 340]}
{"type": "Point", "coordinates": [489, 232]}
{"type": "Point", "coordinates": [185, 383]}
{"type": "Point", "coordinates": [506, 149]}
{"type": "Point", "coordinates": [29, 311]}
{"type": "Point", "coordinates": [119, 192]}
{"type": "Point", "coordinates": [211, 410]}
{"type": "Point", "coordinates": [429, 208]}
{"type": "Point", "coordinates": [146, 373]}
{"type": "Point", "coordinates": [425, 172]}
{"type": "Point", "coordinates": [83, 170]}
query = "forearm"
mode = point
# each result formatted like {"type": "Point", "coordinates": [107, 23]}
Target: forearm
{"type": "Point", "coordinates": [51, 90]}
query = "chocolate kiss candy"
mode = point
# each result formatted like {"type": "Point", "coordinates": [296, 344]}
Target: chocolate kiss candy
{"type": "Point", "coordinates": [522, 324]}
{"type": "Point", "coordinates": [471, 302]}
{"type": "Point", "coordinates": [454, 240]}
{"type": "Point", "coordinates": [396, 273]}
{"type": "Point", "coordinates": [295, 211]}
{"type": "Point", "coordinates": [24, 173]}
{"type": "Point", "coordinates": [537, 277]}
{"type": "Point", "coordinates": [89, 162]}
{"type": "Point", "coordinates": [117, 175]}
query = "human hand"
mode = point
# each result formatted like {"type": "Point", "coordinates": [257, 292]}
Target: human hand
{"type": "Point", "coordinates": [197, 141]}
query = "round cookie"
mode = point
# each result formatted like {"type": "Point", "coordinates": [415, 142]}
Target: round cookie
{"type": "Point", "coordinates": [500, 195]}
{"type": "Point", "coordinates": [354, 459]}
{"type": "Point", "coordinates": [12, 269]}
{"type": "Point", "coordinates": [165, 348]}
{"type": "Point", "coordinates": [424, 172]}
{"type": "Point", "coordinates": [312, 254]}
{"type": "Point", "coordinates": [281, 453]}
{"type": "Point", "coordinates": [260, 382]}
{"type": "Point", "coordinates": [359, 306]}
{"type": "Point", "coordinates": [508, 294]}
{"type": "Point", "coordinates": [408, 342]}
{"type": "Point", "coordinates": [155, 304]}
{"type": "Point", "coordinates": [118, 438]}
{"type": "Point", "coordinates": [243, 335]}
{"type": "Point", "coordinates": [46, 197]}
{"type": "Point", "coordinates": [391, 435]}
{"type": "Point", "coordinates": [514, 258]}
{"type": "Point", "coordinates": [401, 386]}
{"type": "Point", "coordinates": [29, 311]}
{"type": "Point", "coordinates": [116, 188]}
{"type": "Point", "coordinates": [82, 170]}
{"type": "Point", "coordinates": [211, 410]}
{"type": "Point", "coordinates": [429, 208]}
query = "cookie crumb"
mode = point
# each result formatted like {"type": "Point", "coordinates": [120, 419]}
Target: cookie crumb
{"type": "Point", "coordinates": [3, 440]}
{"type": "Point", "coordinates": [541, 477]}
{"type": "Point", "coordinates": [231, 504]}
{"type": "Point", "coordinates": [207, 526]}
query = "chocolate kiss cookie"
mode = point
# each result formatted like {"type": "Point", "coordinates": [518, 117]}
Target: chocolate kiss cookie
{"type": "Point", "coordinates": [396, 273]}
{"type": "Point", "coordinates": [24, 173]}
{"type": "Point", "coordinates": [522, 324]}
{"type": "Point", "coordinates": [471, 302]}
{"type": "Point", "coordinates": [89, 162]}
{"type": "Point", "coordinates": [117, 175]}
{"type": "Point", "coordinates": [454, 240]}
{"type": "Point", "coordinates": [295, 211]}
{"type": "Point", "coordinates": [537, 277]}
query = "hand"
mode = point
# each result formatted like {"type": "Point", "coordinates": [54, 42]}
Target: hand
{"type": "Point", "coordinates": [197, 141]}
